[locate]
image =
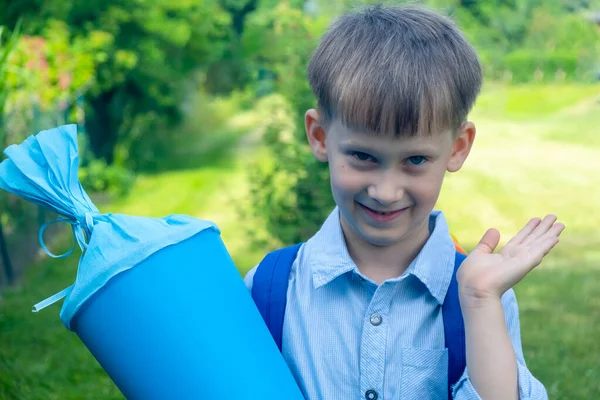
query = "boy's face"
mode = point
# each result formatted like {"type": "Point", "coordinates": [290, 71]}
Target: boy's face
{"type": "Point", "coordinates": [386, 187]}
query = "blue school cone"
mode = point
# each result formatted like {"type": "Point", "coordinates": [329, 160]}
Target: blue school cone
{"type": "Point", "coordinates": [158, 302]}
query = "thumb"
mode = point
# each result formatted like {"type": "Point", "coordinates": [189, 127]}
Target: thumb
{"type": "Point", "coordinates": [488, 242]}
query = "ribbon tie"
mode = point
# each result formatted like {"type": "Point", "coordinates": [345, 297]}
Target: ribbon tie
{"type": "Point", "coordinates": [82, 229]}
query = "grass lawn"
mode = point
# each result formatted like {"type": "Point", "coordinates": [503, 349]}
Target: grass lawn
{"type": "Point", "coordinates": [522, 167]}
{"type": "Point", "coordinates": [537, 151]}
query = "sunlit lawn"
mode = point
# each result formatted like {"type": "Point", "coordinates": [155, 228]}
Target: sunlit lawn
{"type": "Point", "coordinates": [537, 151]}
{"type": "Point", "coordinates": [522, 167]}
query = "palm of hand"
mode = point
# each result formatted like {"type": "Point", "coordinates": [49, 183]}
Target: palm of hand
{"type": "Point", "coordinates": [485, 274]}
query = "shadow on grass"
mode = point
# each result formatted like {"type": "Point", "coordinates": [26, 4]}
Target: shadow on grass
{"type": "Point", "coordinates": [215, 151]}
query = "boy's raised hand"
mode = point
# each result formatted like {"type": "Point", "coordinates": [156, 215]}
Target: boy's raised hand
{"type": "Point", "coordinates": [487, 275]}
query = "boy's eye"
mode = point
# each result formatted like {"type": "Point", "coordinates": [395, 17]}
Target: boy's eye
{"type": "Point", "coordinates": [359, 155]}
{"type": "Point", "coordinates": [417, 160]}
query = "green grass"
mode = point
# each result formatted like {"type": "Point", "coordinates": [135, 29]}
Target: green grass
{"type": "Point", "coordinates": [560, 325]}
{"type": "Point", "coordinates": [39, 357]}
{"type": "Point", "coordinates": [537, 151]}
{"type": "Point", "coordinates": [524, 102]}
{"type": "Point", "coordinates": [520, 169]}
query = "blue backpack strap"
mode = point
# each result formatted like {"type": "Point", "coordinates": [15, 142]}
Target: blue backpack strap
{"type": "Point", "coordinates": [269, 288]}
{"type": "Point", "coordinates": [454, 329]}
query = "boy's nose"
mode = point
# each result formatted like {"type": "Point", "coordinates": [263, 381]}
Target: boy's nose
{"type": "Point", "coordinates": [387, 191]}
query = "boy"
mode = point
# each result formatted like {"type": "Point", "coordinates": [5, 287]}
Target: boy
{"type": "Point", "coordinates": [363, 317]}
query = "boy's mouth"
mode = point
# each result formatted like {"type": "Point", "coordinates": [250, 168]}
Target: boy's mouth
{"type": "Point", "coordinates": [382, 216]}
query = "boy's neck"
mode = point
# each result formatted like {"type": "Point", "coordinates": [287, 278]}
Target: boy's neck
{"type": "Point", "coordinates": [380, 263]}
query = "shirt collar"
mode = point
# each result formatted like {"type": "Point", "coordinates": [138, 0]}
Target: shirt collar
{"type": "Point", "coordinates": [434, 264]}
{"type": "Point", "coordinates": [328, 257]}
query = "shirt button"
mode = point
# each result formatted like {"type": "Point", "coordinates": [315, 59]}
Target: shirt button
{"type": "Point", "coordinates": [375, 319]}
{"type": "Point", "coordinates": [371, 395]}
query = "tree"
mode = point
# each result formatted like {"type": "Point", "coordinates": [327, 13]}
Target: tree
{"type": "Point", "coordinates": [153, 52]}
{"type": "Point", "coordinates": [156, 47]}
{"type": "Point", "coordinates": [6, 48]}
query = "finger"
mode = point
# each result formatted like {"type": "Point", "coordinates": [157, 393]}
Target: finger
{"type": "Point", "coordinates": [556, 230]}
{"type": "Point", "coordinates": [541, 229]}
{"type": "Point", "coordinates": [553, 233]}
{"type": "Point", "coordinates": [549, 244]}
{"type": "Point", "coordinates": [538, 253]}
{"type": "Point", "coordinates": [526, 231]}
{"type": "Point", "coordinates": [488, 242]}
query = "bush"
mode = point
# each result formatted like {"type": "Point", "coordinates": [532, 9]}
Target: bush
{"type": "Point", "coordinates": [527, 65]}
{"type": "Point", "coordinates": [98, 177]}
{"type": "Point", "coordinates": [289, 188]}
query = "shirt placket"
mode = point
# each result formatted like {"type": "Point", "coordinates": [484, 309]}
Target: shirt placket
{"type": "Point", "coordinates": [373, 343]}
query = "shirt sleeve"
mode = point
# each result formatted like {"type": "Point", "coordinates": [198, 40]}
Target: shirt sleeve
{"type": "Point", "coordinates": [249, 278]}
{"type": "Point", "coordinates": [529, 387]}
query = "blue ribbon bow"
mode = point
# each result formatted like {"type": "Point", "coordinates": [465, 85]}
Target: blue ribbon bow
{"type": "Point", "coordinates": [82, 229]}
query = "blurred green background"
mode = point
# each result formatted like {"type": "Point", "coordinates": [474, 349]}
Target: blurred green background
{"type": "Point", "coordinates": [195, 107]}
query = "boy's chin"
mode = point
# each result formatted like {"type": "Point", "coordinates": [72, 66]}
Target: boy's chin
{"type": "Point", "coordinates": [383, 240]}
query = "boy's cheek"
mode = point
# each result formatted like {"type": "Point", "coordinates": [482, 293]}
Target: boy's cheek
{"type": "Point", "coordinates": [347, 180]}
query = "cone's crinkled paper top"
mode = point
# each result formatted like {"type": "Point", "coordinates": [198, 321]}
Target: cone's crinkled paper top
{"type": "Point", "coordinates": [44, 170]}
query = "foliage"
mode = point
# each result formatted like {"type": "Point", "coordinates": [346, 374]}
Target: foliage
{"type": "Point", "coordinates": [291, 192]}
{"type": "Point", "coordinates": [150, 59]}
{"type": "Point", "coordinates": [50, 69]}
{"type": "Point", "coordinates": [148, 72]}
{"type": "Point", "coordinates": [528, 40]}
{"type": "Point", "coordinates": [6, 49]}
{"type": "Point", "coordinates": [47, 75]}
{"type": "Point", "coordinates": [289, 188]}
{"type": "Point", "coordinates": [101, 178]}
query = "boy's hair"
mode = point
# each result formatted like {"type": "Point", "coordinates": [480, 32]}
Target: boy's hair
{"type": "Point", "coordinates": [395, 70]}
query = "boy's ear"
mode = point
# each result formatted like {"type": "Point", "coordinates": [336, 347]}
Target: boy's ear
{"type": "Point", "coordinates": [461, 146]}
{"type": "Point", "coordinates": [315, 134]}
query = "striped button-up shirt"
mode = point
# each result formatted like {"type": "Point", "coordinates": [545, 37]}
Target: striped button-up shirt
{"type": "Point", "coordinates": [347, 338]}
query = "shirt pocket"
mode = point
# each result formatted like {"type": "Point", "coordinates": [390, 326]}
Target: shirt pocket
{"type": "Point", "coordinates": [424, 374]}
